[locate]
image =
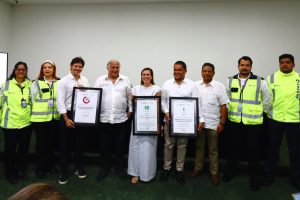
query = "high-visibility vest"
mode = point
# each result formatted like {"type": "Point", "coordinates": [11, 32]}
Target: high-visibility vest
{"type": "Point", "coordinates": [42, 110]}
{"type": "Point", "coordinates": [14, 116]}
{"type": "Point", "coordinates": [285, 90]}
{"type": "Point", "coordinates": [245, 104]}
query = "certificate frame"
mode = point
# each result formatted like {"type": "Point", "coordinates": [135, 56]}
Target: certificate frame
{"type": "Point", "coordinates": [93, 117]}
{"type": "Point", "coordinates": [138, 117]}
{"type": "Point", "coordinates": [187, 119]}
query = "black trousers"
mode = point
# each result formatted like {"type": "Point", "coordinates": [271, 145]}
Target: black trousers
{"type": "Point", "coordinates": [243, 138]}
{"type": "Point", "coordinates": [276, 131]}
{"type": "Point", "coordinates": [16, 150]}
{"type": "Point", "coordinates": [71, 140]}
{"type": "Point", "coordinates": [46, 133]}
{"type": "Point", "coordinates": [111, 139]}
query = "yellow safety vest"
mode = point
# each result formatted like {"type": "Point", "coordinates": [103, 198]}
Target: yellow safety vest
{"type": "Point", "coordinates": [285, 90]}
{"type": "Point", "coordinates": [14, 116]}
{"type": "Point", "coordinates": [44, 107]}
{"type": "Point", "coordinates": [245, 103]}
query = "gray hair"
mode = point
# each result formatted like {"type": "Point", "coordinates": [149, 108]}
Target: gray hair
{"type": "Point", "coordinates": [112, 61]}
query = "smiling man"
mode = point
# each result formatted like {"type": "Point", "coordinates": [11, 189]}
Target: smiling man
{"type": "Point", "coordinates": [116, 108]}
{"type": "Point", "coordinates": [179, 86]}
{"type": "Point", "coordinates": [284, 117]}
{"type": "Point", "coordinates": [249, 98]}
{"type": "Point", "coordinates": [213, 98]}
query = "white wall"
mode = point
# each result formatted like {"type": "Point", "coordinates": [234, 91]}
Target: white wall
{"type": "Point", "coordinates": [5, 26]}
{"type": "Point", "coordinates": [157, 35]}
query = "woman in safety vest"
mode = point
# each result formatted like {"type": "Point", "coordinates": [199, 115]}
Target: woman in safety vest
{"type": "Point", "coordinates": [44, 117]}
{"type": "Point", "coordinates": [15, 122]}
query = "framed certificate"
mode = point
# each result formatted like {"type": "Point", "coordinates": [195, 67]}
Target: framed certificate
{"type": "Point", "coordinates": [184, 112]}
{"type": "Point", "coordinates": [86, 105]}
{"type": "Point", "coordinates": [146, 115]}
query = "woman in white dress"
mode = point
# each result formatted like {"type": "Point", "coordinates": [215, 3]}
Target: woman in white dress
{"type": "Point", "coordinates": [142, 149]}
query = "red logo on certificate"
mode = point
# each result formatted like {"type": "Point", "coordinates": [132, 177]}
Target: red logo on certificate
{"type": "Point", "coordinates": [86, 100]}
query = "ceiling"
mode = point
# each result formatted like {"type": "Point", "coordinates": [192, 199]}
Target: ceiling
{"type": "Point", "coordinates": [27, 2]}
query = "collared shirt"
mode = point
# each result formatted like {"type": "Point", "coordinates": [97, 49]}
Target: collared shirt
{"type": "Point", "coordinates": [212, 96]}
{"type": "Point", "coordinates": [116, 99]}
{"type": "Point", "coordinates": [265, 94]}
{"type": "Point", "coordinates": [186, 88]}
{"type": "Point", "coordinates": [65, 90]}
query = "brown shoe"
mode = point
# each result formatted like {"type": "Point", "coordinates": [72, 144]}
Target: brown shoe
{"type": "Point", "coordinates": [215, 179]}
{"type": "Point", "coordinates": [194, 173]}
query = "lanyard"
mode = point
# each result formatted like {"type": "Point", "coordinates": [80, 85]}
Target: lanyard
{"type": "Point", "coordinates": [21, 88]}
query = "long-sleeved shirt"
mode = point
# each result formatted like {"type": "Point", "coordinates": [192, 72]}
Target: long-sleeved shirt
{"type": "Point", "coordinates": [65, 91]}
{"type": "Point", "coordinates": [116, 99]}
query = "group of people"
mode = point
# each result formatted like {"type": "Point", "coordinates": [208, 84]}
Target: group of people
{"type": "Point", "coordinates": [45, 103]}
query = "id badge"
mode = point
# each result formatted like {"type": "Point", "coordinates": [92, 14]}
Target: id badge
{"type": "Point", "coordinates": [240, 108]}
{"type": "Point", "coordinates": [23, 103]}
{"type": "Point", "coordinates": [51, 103]}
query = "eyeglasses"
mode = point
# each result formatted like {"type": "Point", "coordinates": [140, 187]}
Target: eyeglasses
{"type": "Point", "coordinates": [21, 70]}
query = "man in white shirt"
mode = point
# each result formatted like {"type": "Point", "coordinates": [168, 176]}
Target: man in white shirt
{"type": "Point", "coordinates": [213, 98]}
{"type": "Point", "coordinates": [179, 86]}
{"type": "Point", "coordinates": [70, 135]}
{"type": "Point", "coordinates": [249, 98]}
{"type": "Point", "coordinates": [116, 108]}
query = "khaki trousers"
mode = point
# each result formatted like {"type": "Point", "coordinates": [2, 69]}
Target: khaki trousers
{"type": "Point", "coordinates": [168, 150]}
{"type": "Point", "coordinates": [211, 137]}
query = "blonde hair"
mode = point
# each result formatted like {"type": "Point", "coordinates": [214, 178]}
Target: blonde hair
{"type": "Point", "coordinates": [38, 191]}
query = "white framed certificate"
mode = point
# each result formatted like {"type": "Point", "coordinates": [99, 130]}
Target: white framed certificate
{"type": "Point", "coordinates": [86, 105]}
{"type": "Point", "coordinates": [184, 118]}
{"type": "Point", "coordinates": [146, 111]}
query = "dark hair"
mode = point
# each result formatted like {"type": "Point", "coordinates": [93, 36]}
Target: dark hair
{"type": "Point", "coordinates": [13, 74]}
{"type": "Point", "coordinates": [209, 65]}
{"type": "Point", "coordinates": [181, 63]}
{"type": "Point", "coordinates": [151, 72]}
{"type": "Point", "coordinates": [245, 58]}
{"type": "Point", "coordinates": [289, 56]}
{"type": "Point", "coordinates": [77, 60]}
{"type": "Point", "coordinates": [41, 74]}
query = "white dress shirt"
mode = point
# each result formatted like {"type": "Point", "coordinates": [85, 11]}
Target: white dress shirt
{"type": "Point", "coordinates": [170, 88]}
{"type": "Point", "coordinates": [65, 90]}
{"type": "Point", "coordinates": [212, 96]}
{"type": "Point", "coordinates": [116, 99]}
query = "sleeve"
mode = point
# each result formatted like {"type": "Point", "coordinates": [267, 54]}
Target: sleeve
{"type": "Point", "coordinates": [33, 91]}
{"type": "Point", "coordinates": [164, 99]}
{"type": "Point", "coordinates": [266, 98]}
{"type": "Point", "coordinates": [223, 98]}
{"type": "Point", "coordinates": [196, 93]}
{"type": "Point", "coordinates": [61, 107]}
{"type": "Point", "coordinates": [129, 95]}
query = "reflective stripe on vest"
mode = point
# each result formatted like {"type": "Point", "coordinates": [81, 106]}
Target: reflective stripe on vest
{"type": "Point", "coordinates": [250, 102]}
{"type": "Point", "coordinates": [14, 115]}
{"type": "Point", "coordinates": [285, 89]}
{"type": "Point", "coordinates": [41, 112]}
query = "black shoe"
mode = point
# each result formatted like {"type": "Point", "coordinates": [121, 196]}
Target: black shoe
{"type": "Point", "coordinates": [41, 175]}
{"type": "Point", "coordinates": [164, 176]}
{"type": "Point", "coordinates": [22, 175]}
{"type": "Point", "coordinates": [268, 181]}
{"type": "Point", "coordinates": [102, 174]}
{"type": "Point", "coordinates": [63, 179]}
{"type": "Point", "coordinates": [180, 177]}
{"type": "Point", "coordinates": [121, 174]}
{"type": "Point", "coordinates": [254, 184]}
{"type": "Point", "coordinates": [227, 177]}
{"type": "Point", "coordinates": [80, 173]}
